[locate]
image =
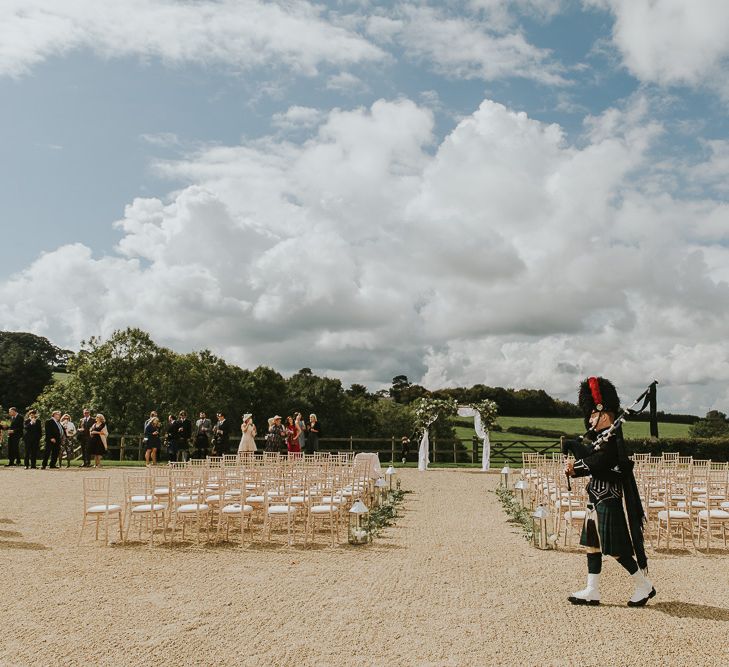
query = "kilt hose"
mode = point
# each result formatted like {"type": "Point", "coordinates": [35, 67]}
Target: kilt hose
{"type": "Point", "coordinates": [606, 528]}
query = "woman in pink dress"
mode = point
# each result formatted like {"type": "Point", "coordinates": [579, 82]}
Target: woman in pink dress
{"type": "Point", "coordinates": [292, 440]}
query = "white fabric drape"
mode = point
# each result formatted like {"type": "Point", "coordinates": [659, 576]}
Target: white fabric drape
{"type": "Point", "coordinates": [481, 432]}
{"type": "Point", "coordinates": [423, 455]}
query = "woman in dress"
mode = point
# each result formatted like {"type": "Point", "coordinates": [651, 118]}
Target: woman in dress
{"type": "Point", "coordinates": [292, 440]}
{"type": "Point", "coordinates": [312, 442]}
{"type": "Point", "coordinates": [152, 440]}
{"type": "Point", "coordinates": [248, 435]}
{"type": "Point", "coordinates": [276, 438]}
{"type": "Point", "coordinates": [300, 431]}
{"type": "Point", "coordinates": [97, 444]}
{"type": "Point", "coordinates": [69, 442]}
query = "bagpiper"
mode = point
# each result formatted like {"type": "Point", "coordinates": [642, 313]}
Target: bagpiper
{"type": "Point", "coordinates": [614, 520]}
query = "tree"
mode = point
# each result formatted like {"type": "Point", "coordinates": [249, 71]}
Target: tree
{"type": "Point", "coordinates": [24, 372]}
{"type": "Point", "coordinates": [714, 425]}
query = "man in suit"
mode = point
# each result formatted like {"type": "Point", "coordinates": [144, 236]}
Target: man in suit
{"type": "Point", "coordinates": [221, 435]}
{"type": "Point", "coordinates": [183, 433]}
{"type": "Point", "coordinates": [15, 433]}
{"type": "Point", "coordinates": [54, 437]}
{"type": "Point", "coordinates": [32, 437]}
{"type": "Point", "coordinates": [84, 437]}
{"type": "Point", "coordinates": [202, 435]}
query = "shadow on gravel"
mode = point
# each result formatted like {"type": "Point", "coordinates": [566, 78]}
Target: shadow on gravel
{"type": "Point", "coordinates": [30, 546]}
{"type": "Point", "coordinates": [688, 610]}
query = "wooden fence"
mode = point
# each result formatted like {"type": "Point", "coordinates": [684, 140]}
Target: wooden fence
{"type": "Point", "coordinates": [466, 451]}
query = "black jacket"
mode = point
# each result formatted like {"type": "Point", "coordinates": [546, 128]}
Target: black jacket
{"type": "Point", "coordinates": [16, 426]}
{"type": "Point", "coordinates": [33, 432]}
{"type": "Point", "coordinates": [53, 430]}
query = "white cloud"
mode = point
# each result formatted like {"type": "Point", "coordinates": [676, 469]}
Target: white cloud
{"type": "Point", "coordinates": [466, 47]}
{"type": "Point", "coordinates": [346, 82]}
{"type": "Point", "coordinates": [672, 41]}
{"type": "Point", "coordinates": [245, 35]}
{"type": "Point", "coordinates": [504, 255]}
{"type": "Point", "coordinates": [297, 117]}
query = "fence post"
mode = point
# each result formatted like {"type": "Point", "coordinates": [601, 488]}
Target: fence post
{"type": "Point", "coordinates": [392, 449]}
{"type": "Point", "coordinates": [435, 438]}
{"type": "Point", "coordinates": [351, 443]}
{"type": "Point", "coordinates": [454, 452]}
{"type": "Point", "coordinates": [474, 449]}
{"type": "Point", "coordinates": [121, 448]}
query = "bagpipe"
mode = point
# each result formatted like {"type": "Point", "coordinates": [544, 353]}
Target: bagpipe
{"type": "Point", "coordinates": [585, 445]}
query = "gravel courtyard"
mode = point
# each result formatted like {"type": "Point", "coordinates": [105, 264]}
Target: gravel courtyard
{"type": "Point", "coordinates": [451, 584]}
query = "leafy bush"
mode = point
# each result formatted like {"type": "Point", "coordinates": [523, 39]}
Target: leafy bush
{"type": "Point", "coordinates": [532, 430]}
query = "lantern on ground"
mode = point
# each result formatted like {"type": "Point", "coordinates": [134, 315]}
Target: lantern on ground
{"type": "Point", "coordinates": [505, 476]}
{"type": "Point", "coordinates": [540, 539]}
{"type": "Point", "coordinates": [380, 492]}
{"type": "Point", "coordinates": [389, 476]}
{"type": "Point", "coordinates": [521, 488]}
{"type": "Point", "coordinates": [359, 524]}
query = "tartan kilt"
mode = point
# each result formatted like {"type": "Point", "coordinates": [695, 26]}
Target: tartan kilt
{"type": "Point", "coordinates": [611, 535]}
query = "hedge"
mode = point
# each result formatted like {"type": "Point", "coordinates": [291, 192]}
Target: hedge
{"type": "Point", "coordinates": [539, 432]}
{"type": "Point", "coordinates": [715, 449]}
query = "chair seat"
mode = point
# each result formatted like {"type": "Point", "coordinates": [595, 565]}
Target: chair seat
{"type": "Point", "coordinates": [192, 507]}
{"type": "Point", "coordinates": [298, 500]}
{"type": "Point", "coordinates": [694, 503]}
{"type": "Point", "coordinates": [324, 509]}
{"type": "Point", "coordinates": [568, 503]}
{"type": "Point", "coordinates": [141, 499]}
{"type": "Point", "coordinates": [575, 514]}
{"type": "Point", "coordinates": [255, 499]}
{"type": "Point", "coordinates": [102, 509]}
{"type": "Point", "coordinates": [149, 507]}
{"type": "Point", "coordinates": [192, 497]}
{"type": "Point", "coordinates": [714, 514]}
{"type": "Point", "coordinates": [672, 514]}
{"type": "Point", "coordinates": [725, 505]}
{"type": "Point", "coordinates": [162, 491]}
{"type": "Point", "coordinates": [337, 500]}
{"type": "Point", "coordinates": [237, 508]}
{"type": "Point", "coordinates": [213, 498]}
{"type": "Point", "coordinates": [655, 504]}
{"type": "Point", "coordinates": [232, 493]}
{"type": "Point", "coordinates": [281, 509]}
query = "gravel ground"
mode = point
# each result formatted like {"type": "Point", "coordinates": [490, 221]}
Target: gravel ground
{"type": "Point", "coordinates": [452, 584]}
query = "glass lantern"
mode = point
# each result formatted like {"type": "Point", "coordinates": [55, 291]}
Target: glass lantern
{"type": "Point", "coordinates": [389, 476]}
{"type": "Point", "coordinates": [521, 487]}
{"type": "Point", "coordinates": [540, 538]}
{"type": "Point", "coordinates": [359, 524]}
{"type": "Point", "coordinates": [505, 476]}
{"type": "Point", "coordinates": [380, 492]}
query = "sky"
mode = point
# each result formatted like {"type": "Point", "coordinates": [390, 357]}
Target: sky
{"type": "Point", "coordinates": [516, 193]}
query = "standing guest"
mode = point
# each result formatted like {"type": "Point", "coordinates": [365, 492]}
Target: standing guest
{"type": "Point", "coordinates": [300, 430]}
{"type": "Point", "coordinates": [312, 442]}
{"type": "Point", "coordinates": [404, 448]}
{"type": "Point", "coordinates": [15, 433]}
{"type": "Point", "coordinates": [170, 438]}
{"type": "Point", "coordinates": [152, 440]}
{"type": "Point", "coordinates": [183, 427]}
{"type": "Point", "coordinates": [84, 437]}
{"type": "Point", "coordinates": [276, 438]}
{"type": "Point", "coordinates": [54, 439]}
{"type": "Point", "coordinates": [99, 435]}
{"type": "Point", "coordinates": [614, 522]}
{"type": "Point", "coordinates": [32, 436]}
{"type": "Point", "coordinates": [152, 415]}
{"type": "Point", "coordinates": [292, 439]}
{"type": "Point", "coordinates": [221, 435]}
{"type": "Point", "coordinates": [69, 442]}
{"type": "Point", "coordinates": [248, 435]}
{"type": "Point", "coordinates": [203, 427]}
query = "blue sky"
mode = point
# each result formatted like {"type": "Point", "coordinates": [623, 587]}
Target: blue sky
{"type": "Point", "coordinates": [593, 125]}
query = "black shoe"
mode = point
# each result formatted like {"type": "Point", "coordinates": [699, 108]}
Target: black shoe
{"type": "Point", "coordinates": [8, 465]}
{"type": "Point", "coordinates": [34, 467]}
{"type": "Point", "coordinates": [573, 600]}
{"type": "Point", "coordinates": [642, 603]}
{"type": "Point", "coordinates": [43, 467]}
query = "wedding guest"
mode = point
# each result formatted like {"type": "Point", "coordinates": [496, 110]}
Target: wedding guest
{"type": "Point", "coordinates": [292, 440]}
{"type": "Point", "coordinates": [404, 448]}
{"type": "Point", "coordinates": [221, 435]}
{"type": "Point", "coordinates": [312, 441]}
{"type": "Point", "coordinates": [152, 440]}
{"type": "Point", "coordinates": [203, 428]}
{"type": "Point", "coordinates": [248, 435]}
{"type": "Point", "coordinates": [182, 430]}
{"type": "Point", "coordinates": [276, 438]}
{"type": "Point", "coordinates": [69, 441]}
{"type": "Point", "coordinates": [300, 430]}
{"type": "Point", "coordinates": [170, 439]}
{"type": "Point", "coordinates": [84, 436]}
{"type": "Point", "coordinates": [98, 443]}
{"type": "Point", "coordinates": [15, 433]}
{"type": "Point", "coordinates": [54, 439]}
{"type": "Point", "coordinates": [152, 415]}
{"type": "Point", "coordinates": [32, 436]}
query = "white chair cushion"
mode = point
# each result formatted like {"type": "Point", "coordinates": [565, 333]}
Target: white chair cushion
{"type": "Point", "coordinates": [337, 500]}
{"type": "Point", "coordinates": [324, 509]}
{"type": "Point", "coordinates": [575, 514]}
{"type": "Point", "coordinates": [141, 509]}
{"type": "Point", "coordinates": [232, 493]}
{"type": "Point", "coordinates": [192, 507]}
{"type": "Point", "coordinates": [187, 497]}
{"type": "Point", "coordinates": [567, 503]}
{"type": "Point", "coordinates": [725, 505]}
{"type": "Point", "coordinates": [101, 509]}
{"type": "Point", "coordinates": [140, 499]}
{"type": "Point", "coordinates": [214, 498]}
{"type": "Point", "coordinates": [162, 491]}
{"type": "Point", "coordinates": [714, 514]}
{"type": "Point", "coordinates": [280, 509]}
{"type": "Point", "coordinates": [298, 500]}
{"type": "Point", "coordinates": [674, 514]}
{"type": "Point", "coordinates": [654, 504]}
{"type": "Point", "coordinates": [237, 508]}
{"type": "Point", "coordinates": [254, 499]}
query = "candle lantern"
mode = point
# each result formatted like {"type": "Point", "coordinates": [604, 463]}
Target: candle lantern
{"type": "Point", "coordinates": [389, 476]}
{"type": "Point", "coordinates": [359, 524]}
{"type": "Point", "coordinates": [540, 539]}
{"type": "Point", "coordinates": [380, 492]}
{"type": "Point", "coordinates": [521, 487]}
{"type": "Point", "coordinates": [505, 476]}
